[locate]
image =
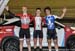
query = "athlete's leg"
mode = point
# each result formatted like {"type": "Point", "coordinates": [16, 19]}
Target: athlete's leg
{"type": "Point", "coordinates": [21, 39]}
{"type": "Point", "coordinates": [49, 44]}
{"type": "Point", "coordinates": [28, 44]}
{"type": "Point", "coordinates": [40, 39]}
{"type": "Point", "coordinates": [28, 39]}
{"type": "Point", "coordinates": [49, 39]}
{"type": "Point", "coordinates": [40, 43]}
{"type": "Point", "coordinates": [35, 39]}
{"type": "Point", "coordinates": [55, 39]}
{"type": "Point", "coordinates": [35, 43]}
{"type": "Point", "coordinates": [56, 44]}
{"type": "Point", "coordinates": [21, 44]}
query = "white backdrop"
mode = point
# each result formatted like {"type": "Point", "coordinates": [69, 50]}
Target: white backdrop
{"type": "Point", "coordinates": [60, 34]}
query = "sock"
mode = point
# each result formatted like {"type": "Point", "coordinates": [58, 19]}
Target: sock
{"type": "Point", "coordinates": [56, 49]}
{"type": "Point", "coordinates": [49, 49]}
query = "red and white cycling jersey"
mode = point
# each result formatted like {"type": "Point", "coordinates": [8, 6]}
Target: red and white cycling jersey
{"type": "Point", "coordinates": [25, 20]}
{"type": "Point", "coordinates": [38, 23]}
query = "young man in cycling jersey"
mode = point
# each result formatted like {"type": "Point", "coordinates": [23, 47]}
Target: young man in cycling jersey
{"type": "Point", "coordinates": [24, 30]}
{"type": "Point", "coordinates": [38, 29]}
{"type": "Point", "coordinates": [50, 22]}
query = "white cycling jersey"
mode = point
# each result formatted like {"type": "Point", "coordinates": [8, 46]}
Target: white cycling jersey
{"type": "Point", "coordinates": [38, 21]}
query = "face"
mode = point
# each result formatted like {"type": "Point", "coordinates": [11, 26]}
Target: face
{"type": "Point", "coordinates": [47, 12]}
{"type": "Point", "coordinates": [24, 9]}
{"type": "Point", "coordinates": [38, 11]}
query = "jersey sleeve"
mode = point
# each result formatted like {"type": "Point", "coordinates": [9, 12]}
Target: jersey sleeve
{"type": "Point", "coordinates": [31, 17]}
{"type": "Point", "coordinates": [11, 14]}
{"type": "Point", "coordinates": [43, 20]}
{"type": "Point", "coordinates": [56, 17]}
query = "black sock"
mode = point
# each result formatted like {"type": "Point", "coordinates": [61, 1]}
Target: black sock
{"type": "Point", "coordinates": [35, 49]}
{"type": "Point", "coordinates": [40, 49]}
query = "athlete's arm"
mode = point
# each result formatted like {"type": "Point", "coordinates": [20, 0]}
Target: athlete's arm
{"type": "Point", "coordinates": [31, 18]}
{"type": "Point", "coordinates": [12, 15]}
{"type": "Point", "coordinates": [63, 14]}
{"type": "Point", "coordinates": [43, 21]}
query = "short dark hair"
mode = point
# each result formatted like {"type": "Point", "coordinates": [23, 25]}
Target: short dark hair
{"type": "Point", "coordinates": [47, 8]}
{"type": "Point", "coordinates": [38, 9]}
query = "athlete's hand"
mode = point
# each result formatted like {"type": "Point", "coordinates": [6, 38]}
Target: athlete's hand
{"type": "Point", "coordinates": [7, 8]}
{"type": "Point", "coordinates": [64, 10]}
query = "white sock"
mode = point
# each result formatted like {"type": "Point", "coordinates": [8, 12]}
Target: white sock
{"type": "Point", "coordinates": [49, 49]}
{"type": "Point", "coordinates": [56, 49]}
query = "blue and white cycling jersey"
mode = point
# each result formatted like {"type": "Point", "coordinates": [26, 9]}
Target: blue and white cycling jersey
{"type": "Point", "coordinates": [50, 21]}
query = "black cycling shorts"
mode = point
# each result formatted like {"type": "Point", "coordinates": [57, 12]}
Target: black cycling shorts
{"type": "Point", "coordinates": [38, 33]}
{"type": "Point", "coordinates": [24, 32]}
{"type": "Point", "coordinates": [51, 34]}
